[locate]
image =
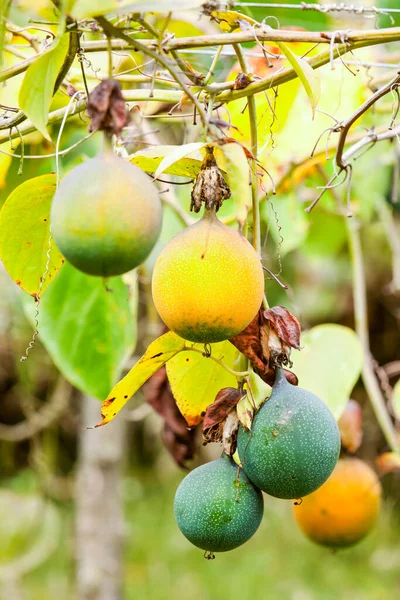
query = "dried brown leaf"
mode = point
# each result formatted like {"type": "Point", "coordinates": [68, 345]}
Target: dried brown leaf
{"type": "Point", "coordinates": [178, 439]}
{"type": "Point", "coordinates": [107, 109]}
{"type": "Point", "coordinates": [285, 324]}
{"type": "Point", "coordinates": [217, 412]}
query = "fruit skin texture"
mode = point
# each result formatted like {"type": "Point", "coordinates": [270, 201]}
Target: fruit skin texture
{"type": "Point", "coordinates": [343, 510]}
{"type": "Point", "coordinates": [208, 282]}
{"type": "Point", "coordinates": [215, 512]}
{"type": "Point", "coordinates": [106, 216]}
{"type": "Point", "coordinates": [293, 445]}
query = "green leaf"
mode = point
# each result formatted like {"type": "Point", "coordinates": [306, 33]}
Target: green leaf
{"type": "Point", "coordinates": [177, 154]}
{"type": "Point", "coordinates": [150, 158]}
{"type": "Point", "coordinates": [4, 10]}
{"type": "Point", "coordinates": [156, 355]}
{"type": "Point", "coordinates": [195, 379]}
{"type": "Point", "coordinates": [257, 393]}
{"type": "Point", "coordinates": [88, 330]}
{"type": "Point", "coordinates": [287, 220]}
{"type": "Point", "coordinates": [329, 364]}
{"type": "Point", "coordinates": [234, 162]}
{"type": "Point", "coordinates": [308, 77]}
{"type": "Point", "coordinates": [38, 85]}
{"type": "Point", "coordinates": [25, 233]}
{"type": "Point", "coordinates": [396, 399]}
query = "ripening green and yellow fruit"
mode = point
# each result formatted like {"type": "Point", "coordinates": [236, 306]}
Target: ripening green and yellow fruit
{"type": "Point", "coordinates": [344, 509]}
{"type": "Point", "coordinates": [208, 282]}
{"type": "Point", "coordinates": [217, 510]}
{"type": "Point", "coordinates": [106, 216]}
{"type": "Point", "coordinates": [293, 445]}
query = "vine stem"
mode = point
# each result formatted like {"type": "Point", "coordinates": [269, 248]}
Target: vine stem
{"type": "Point", "coordinates": [361, 322]}
{"type": "Point", "coordinates": [238, 374]}
{"type": "Point", "coordinates": [252, 108]}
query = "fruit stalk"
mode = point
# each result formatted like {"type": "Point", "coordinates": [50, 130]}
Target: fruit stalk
{"type": "Point", "coordinates": [361, 324]}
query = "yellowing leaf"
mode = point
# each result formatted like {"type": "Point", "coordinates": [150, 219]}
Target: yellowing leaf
{"type": "Point", "coordinates": [176, 154]}
{"type": "Point", "coordinates": [25, 232]}
{"type": "Point", "coordinates": [38, 85]}
{"type": "Point", "coordinates": [157, 354]}
{"type": "Point", "coordinates": [149, 160]}
{"type": "Point", "coordinates": [329, 364]}
{"type": "Point", "coordinates": [308, 77]}
{"type": "Point", "coordinates": [230, 20]}
{"type": "Point", "coordinates": [232, 159]}
{"type": "Point", "coordinates": [195, 380]}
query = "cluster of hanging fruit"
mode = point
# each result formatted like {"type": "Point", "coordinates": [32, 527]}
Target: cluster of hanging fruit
{"type": "Point", "coordinates": [208, 286]}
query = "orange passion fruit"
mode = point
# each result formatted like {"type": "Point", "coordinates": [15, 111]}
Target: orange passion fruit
{"type": "Point", "coordinates": [344, 509]}
{"type": "Point", "coordinates": [208, 282]}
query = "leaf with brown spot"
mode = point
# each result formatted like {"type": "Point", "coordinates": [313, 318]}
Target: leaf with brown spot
{"type": "Point", "coordinates": [107, 108]}
{"type": "Point", "coordinates": [216, 413]}
{"type": "Point", "coordinates": [156, 355]}
{"type": "Point", "coordinates": [388, 462]}
{"type": "Point", "coordinates": [177, 437]}
{"type": "Point", "coordinates": [350, 426]}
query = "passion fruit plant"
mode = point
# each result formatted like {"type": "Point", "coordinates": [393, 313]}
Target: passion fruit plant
{"type": "Point", "coordinates": [263, 125]}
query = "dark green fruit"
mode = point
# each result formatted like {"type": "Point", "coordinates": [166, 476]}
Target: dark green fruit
{"type": "Point", "coordinates": [293, 445]}
{"type": "Point", "coordinates": [216, 510]}
{"type": "Point", "coordinates": [106, 216]}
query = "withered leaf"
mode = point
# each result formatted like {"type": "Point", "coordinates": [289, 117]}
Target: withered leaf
{"type": "Point", "coordinates": [262, 345]}
{"type": "Point", "coordinates": [210, 186]}
{"type": "Point", "coordinates": [107, 109]}
{"type": "Point", "coordinates": [217, 412]}
{"type": "Point", "coordinates": [178, 439]}
{"type": "Point", "coordinates": [350, 426]}
{"type": "Point", "coordinates": [286, 325]}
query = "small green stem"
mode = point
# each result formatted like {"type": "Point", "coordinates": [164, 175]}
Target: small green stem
{"type": "Point", "coordinates": [361, 322]}
{"type": "Point", "coordinates": [213, 65]}
{"type": "Point", "coordinates": [238, 374]}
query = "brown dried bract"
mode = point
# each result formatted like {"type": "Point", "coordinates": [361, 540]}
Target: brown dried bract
{"type": "Point", "coordinates": [350, 426]}
{"type": "Point", "coordinates": [242, 81]}
{"type": "Point", "coordinates": [267, 342]}
{"type": "Point", "coordinates": [107, 109]}
{"type": "Point", "coordinates": [178, 439]}
{"type": "Point", "coordinates": [217, 413]}
{"type": "Point", "coordinates": [210, 187]}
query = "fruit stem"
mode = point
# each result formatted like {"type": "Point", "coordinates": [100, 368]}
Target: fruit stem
{"type": "Point", "coordinates": [238, 374]}
{"type": "Point", "coordinates": [361, 322]}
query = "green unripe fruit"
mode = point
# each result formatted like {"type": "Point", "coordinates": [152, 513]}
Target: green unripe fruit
{"type": "Point", "coordinates": [217, 510]}
{"type": "Point", "coordinates": [293, 445]}
{"type": "Point", "coordinates": [106, 216]}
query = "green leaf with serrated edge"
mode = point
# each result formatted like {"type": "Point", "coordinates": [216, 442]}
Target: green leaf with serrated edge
{"type": "Point", "coordinates": [308, 77]}
{"type": "Point", "coordinates": [176, 154]}
{"type": "Point", "coordinates": [396, 399]}
{"type": "Point", "coordinates": [157, 354]}
{"type": "Point", "coordinates": [256, 394]}
{"type": "Point", "coordinates": [83, 9]}
{"type": "Point", "coordinates": [195, 379]}
{"type": "Point", "coordinates": [38, 85]}
{"type": "Point", "coordinates": [25, 233]}
{"type": "Point", "coordinates": [329, 364]}
{"type": "Point", "coordinates": [87, 327]}
{"type": "Point", "coordinates": [149, 160]}
{"type": "Point", "coordinates": [232, 159]}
